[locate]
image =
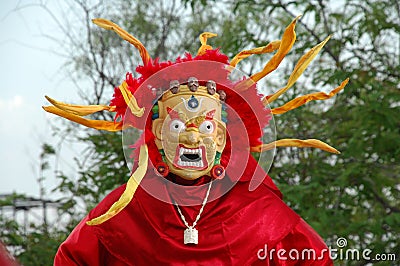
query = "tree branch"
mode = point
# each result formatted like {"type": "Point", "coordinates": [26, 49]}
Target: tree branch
{"type": "Point", "coordinates": [314, 34]}
{"type": "Point", "coordinates": [384, 203]}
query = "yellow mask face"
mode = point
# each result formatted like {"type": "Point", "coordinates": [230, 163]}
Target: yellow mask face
{"type": "Point", "coordinates": [190, 131]}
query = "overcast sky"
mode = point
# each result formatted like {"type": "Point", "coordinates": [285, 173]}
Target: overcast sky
{"type": "Point", "coordinates": [28, 71]}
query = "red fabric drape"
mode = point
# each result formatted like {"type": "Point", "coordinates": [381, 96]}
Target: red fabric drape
{"type": "Point", "coordinates": [232, 229]}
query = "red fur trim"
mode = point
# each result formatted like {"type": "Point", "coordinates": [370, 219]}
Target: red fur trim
{"type": "Point", "coordinates": [213, 55]}
{"type": "Point", "coordinates": [152, 67]}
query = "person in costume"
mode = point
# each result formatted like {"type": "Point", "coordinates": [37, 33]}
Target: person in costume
{"type": "Point", "coordinates": [196, 195]}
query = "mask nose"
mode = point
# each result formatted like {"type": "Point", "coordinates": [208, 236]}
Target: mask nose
{"type": "Point", "coordinates": [191, 137]}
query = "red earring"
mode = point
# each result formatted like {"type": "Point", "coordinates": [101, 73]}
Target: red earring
{"type": "Point", "coordinates": [162, 169]}
{"type": "Point", "coordinates": [217, 172]}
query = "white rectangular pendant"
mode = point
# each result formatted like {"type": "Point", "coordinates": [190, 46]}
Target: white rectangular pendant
{"type": "Point", "coordinates": [191, 236]}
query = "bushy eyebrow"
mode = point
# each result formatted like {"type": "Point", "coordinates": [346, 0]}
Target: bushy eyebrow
{"type": "Point", "coordinates": [173, 114]}
{"type": "Point", "coordinates": [210, 114]}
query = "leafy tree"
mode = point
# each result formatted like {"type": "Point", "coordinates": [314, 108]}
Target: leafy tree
{"type": "Point", "coordinates": [32, 243]}
{"type": "Point", "coordinates": [33, 246]}
{"type": "Point", "coordinates": [356, 193]}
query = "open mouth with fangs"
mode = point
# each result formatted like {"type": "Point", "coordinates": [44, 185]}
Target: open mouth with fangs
{"type": "Point", "coordinates": [190, 158]}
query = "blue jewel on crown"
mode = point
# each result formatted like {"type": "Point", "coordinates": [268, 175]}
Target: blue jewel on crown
{"type": "Point", "coordinates": [193, 103]}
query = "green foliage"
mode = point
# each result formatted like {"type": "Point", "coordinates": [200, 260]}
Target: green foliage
{"type": "Point", "coordinates": [355, 194]}
{"type": "Point", "coordinates": [31, 244]}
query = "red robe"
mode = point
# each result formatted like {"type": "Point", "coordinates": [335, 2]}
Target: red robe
{"type": "Point", "coordinates": [240, 228]}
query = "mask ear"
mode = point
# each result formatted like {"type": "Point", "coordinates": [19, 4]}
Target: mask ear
{"type": "Point", "coordinates": [156, 129]}
{"type": "Point", "coordinates": [220, 139]}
